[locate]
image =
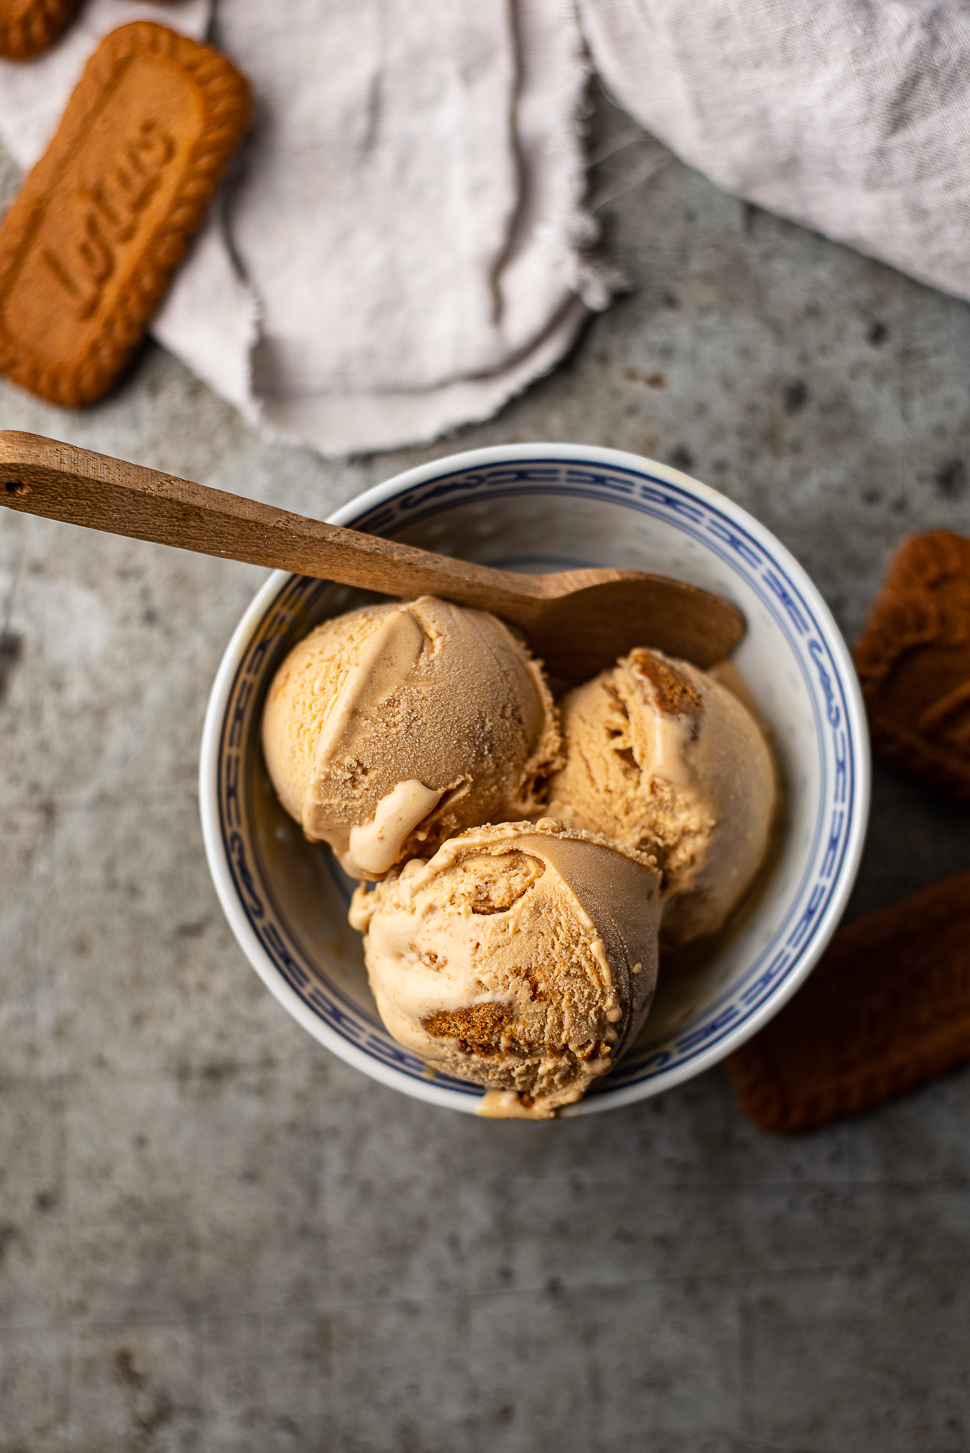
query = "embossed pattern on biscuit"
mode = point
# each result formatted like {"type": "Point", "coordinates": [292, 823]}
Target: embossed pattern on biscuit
{"type": "Point", "coordinates": [887, 1008]}
{"type": "Point", "coordinates": [938, 561]}
{"type": "Point", "coordinates": [88, 248]}
{"type": "Point", "coordinates": [913, 660]}
{"type": "Point", "coordinates": [29, 26]}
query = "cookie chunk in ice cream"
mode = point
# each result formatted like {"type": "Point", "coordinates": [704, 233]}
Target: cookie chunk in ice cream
{"type": "Point", "coordinates": [522, 957]}
{"type": "Point", "coordinates": [391, 728]}
{"type": "Point", "coordinates": [663, 759]}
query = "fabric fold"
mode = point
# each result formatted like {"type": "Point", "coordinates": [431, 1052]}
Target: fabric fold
{"type": "Point", "coordinates": [403, 245]}
{"type": "Point", "coordinates": [409, 211]}
{"type": "Point", "coordinates": [849, 116]}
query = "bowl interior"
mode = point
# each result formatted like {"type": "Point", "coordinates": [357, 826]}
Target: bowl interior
{"type": "Point", "coordinates": [287, 899]}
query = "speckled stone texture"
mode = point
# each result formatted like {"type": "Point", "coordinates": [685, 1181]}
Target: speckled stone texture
{"type": "Point", "coordinates": [213, 1235]}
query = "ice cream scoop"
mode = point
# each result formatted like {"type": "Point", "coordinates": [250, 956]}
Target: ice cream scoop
{"type": "Point", "coordinates": [393, 727]}
{"type": "Point", "coordinates": [663, 759]}
{"type": "Point", "coordinates": [522, 957]}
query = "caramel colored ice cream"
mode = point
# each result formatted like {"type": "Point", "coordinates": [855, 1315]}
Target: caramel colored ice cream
{"type": "Point", "coordinates": [391, 728]}
{"type": "Point", "coordinates": [664, 760]}
{"type": "Point", "coordinates": [522, 957]}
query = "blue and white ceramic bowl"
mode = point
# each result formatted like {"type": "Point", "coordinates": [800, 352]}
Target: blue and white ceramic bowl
{"type": "Point", "coordinates": [547, 507]}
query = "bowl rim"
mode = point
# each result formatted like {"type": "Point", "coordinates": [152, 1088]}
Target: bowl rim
{"type": "Point", "coordinates": [379, 494]}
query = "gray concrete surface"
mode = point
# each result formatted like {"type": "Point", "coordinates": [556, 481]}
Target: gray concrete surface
{"type": "Point", "coordinates": [213, 1235]}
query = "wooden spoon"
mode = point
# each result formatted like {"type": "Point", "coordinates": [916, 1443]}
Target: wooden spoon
{"type": "Point", "coordinates": [576, 621]}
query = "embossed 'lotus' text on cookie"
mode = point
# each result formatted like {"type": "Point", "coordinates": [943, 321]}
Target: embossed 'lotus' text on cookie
{"type": "Point", "coordinates": [89, 246]}
{"type": "Point", "coordinates": [109, 211]}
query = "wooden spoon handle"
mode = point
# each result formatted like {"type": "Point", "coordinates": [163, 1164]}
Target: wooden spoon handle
{"type": "Point", "coordinates": [44, 477]}
{"type": "Point", "coordinates": [580, 619]}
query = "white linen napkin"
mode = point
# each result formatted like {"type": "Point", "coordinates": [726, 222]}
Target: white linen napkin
{"type": "Point", "coordinates": [403, 247]}
{"type": "Point", "coordinates": [404, 244]}
{"type": "Point", "coordinates": [409, 210]}
{"type": "Point", "coordinates": [850, 116]}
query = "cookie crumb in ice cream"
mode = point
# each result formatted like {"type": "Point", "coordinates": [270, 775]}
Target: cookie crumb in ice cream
{"type": "Point", "coordinates": [535, 934]}
{"type": "Point", "coordinates": [671, 690]}
{"type": "Point", "coordinates": [664, 760]}
{"type": "Point", "coordinates": [477, 1029]}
